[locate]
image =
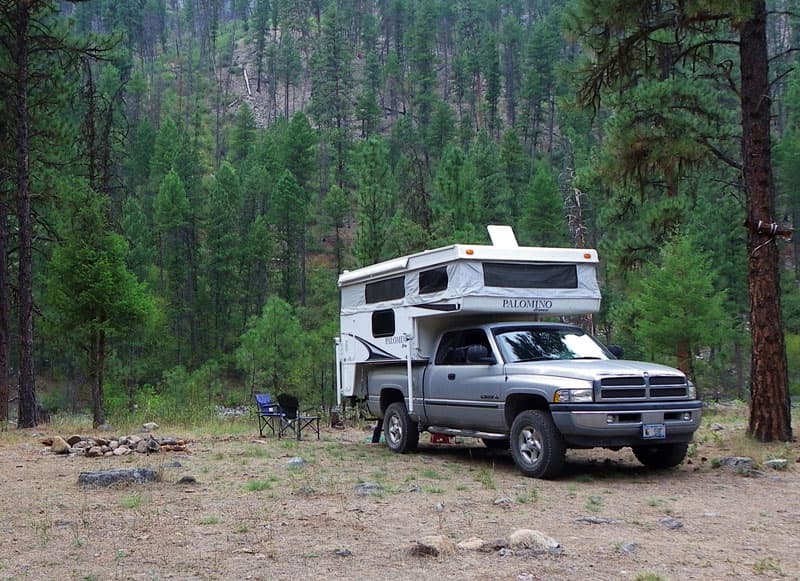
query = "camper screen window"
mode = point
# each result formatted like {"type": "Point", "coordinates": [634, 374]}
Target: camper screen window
{"type": "Point", "coordinates": [433, 281]}
{"type": "Point", "coordinates": [530, 275]}
{"type": "Point", "coordinates": [385, 290]}
{"type": "Point", "coordinates": [383, 323]}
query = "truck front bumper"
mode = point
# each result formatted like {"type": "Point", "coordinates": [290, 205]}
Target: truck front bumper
{"type": "Point", "coordinates": [613, 425]}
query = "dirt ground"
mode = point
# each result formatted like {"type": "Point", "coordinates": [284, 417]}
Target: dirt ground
{"type": "Point", "coordinates": [249, 516]}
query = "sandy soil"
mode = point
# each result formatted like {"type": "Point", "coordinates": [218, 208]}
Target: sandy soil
{"type": "Point", "coordinates": [250, 517]}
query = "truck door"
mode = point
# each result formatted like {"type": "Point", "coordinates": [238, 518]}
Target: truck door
{"type": "Point", "coordinates": [463, 391]}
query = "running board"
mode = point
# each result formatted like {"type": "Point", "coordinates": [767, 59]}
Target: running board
{"type": "Point", "coordinates": [466, 433]}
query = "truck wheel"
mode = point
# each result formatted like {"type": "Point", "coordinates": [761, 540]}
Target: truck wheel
{"type": "Point", "coordinates": [661, 456]}
{"type": "Point", "coordinates": [492, 444]}
{"type": "Point", "coordinates": [537, 446]}
{"type": "Point", "coordinates": [399, 430]}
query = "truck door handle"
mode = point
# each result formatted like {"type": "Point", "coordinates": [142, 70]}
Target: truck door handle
{"type": "Point", "coordinates": [451, 376]}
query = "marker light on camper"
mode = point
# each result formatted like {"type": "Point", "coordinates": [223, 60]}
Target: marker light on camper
{"type": "Point", "coordinates": [469, 251]}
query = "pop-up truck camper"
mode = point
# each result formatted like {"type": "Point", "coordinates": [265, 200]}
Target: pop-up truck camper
{"type": "Point", "coordinates": [460, 341]}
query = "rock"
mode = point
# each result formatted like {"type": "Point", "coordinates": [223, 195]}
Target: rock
{"type": "Point", "coordinates": [296, 462]}
{"type": "Point", "coordinates": [777, 463]}
{"type": "Point", "coordinates": [153, 446]}
{"type": "Point", "coordinates": [433, 546]}
{"type": "Point", "coordinates": [187, 480]}
{"type": "Point", "coordinates": [169, 442]}
{"type": "Point", "coordinates": [102, 441]}
{"type": "Point", "coordinates": [735, 462]}
{"type": "Point", "coordinates": [532, 539]}
{"type": "Point", "coordinates": [413, 488]}
{"type": "Point", "coordinates": [105, 428]}
{"type": "Point", "coordinates": [439, 507]}
{"type": "Point", "coordinates": [306, 491]}
{"type": "Point", "coordinates": [596, 520]}
{"type": "Point", "coordinates": [505, 502]}
{"type": "Point", "coordinates": [628, 548]}
{"type": "Point", "coordinates": [368, 488]}
{"type": "Point", "coordinates": [472, 544]}
{"type": "Point", "coordinates": [114, 444]}
{"type": "Point", "coordinates": [716, 427]}
{"type": "Point", "coordinates": [60, 446]}
{"type": "Point", "coordinates": [149, 427]}
{"type": "Point", "coordinates": [74, 439]}
{"type": "Point", "coordinates": [131, 441]}
{"type": "Point", "coordinates": [670, 523]}
{"type": "Point", "coordinates": [109, 477]}
{"type": "Point", "coordinates": [173, 464]}
{"type": "Point", "coordinates": [122, 451]}
{"type": "Point", "coordinates": [343, 553]}
{"type": "Point", "coordinates": [94, 452]}
{"type": "Point", "coordinates": [47, 441]}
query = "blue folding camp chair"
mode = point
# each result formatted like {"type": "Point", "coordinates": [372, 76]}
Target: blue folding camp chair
{"type": "Point", "coordinates": [269, 414]}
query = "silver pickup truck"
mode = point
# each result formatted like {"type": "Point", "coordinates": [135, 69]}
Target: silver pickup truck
{"type": "Point", "coordinates": [538, 389]}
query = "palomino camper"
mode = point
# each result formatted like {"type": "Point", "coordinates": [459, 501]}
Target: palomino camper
{"type": "Point", "coordinates": [434, 341]}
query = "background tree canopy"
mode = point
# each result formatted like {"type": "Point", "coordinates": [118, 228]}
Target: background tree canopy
{"type": "Point", "coordinates": [232, 157]}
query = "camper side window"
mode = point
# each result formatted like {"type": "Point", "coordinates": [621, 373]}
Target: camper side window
{"type": "Point", "coordinates": [383, 323]}
{"type": "Point", "coordinates": [433, 281]}
{"type": "Point", "coordinates": [385, 290]}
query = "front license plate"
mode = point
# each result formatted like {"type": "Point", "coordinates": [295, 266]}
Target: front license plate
{"type": "Point", "coordinates": [654, 431]}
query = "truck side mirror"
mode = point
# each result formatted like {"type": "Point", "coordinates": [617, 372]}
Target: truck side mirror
{"type": "Point", "coordinates": [616, 351]}
{"type": "Point", "coordinates": [479, 354]}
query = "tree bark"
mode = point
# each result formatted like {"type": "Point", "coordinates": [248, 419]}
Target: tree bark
{"type": "Point", "coordinates": [26, 417]}
{"type": "Point", "coordinates": [98, 363]}
{"type": "Point", "coordinates": [5, 314]}
{"type": "Point", "coordinates": [770, 411]}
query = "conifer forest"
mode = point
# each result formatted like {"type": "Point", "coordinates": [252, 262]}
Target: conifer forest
{"type": "Point", "coordinates": [182, 181]}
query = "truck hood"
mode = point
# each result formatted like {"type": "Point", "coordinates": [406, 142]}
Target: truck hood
{"type": "Point", "coordinates": [590, 369]}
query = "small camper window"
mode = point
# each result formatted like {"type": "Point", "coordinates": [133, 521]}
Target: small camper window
{"type": "Point", "coordinates": [511, 275]}
{"type": "Point", "coordinates": [383, 323]}
{"type": "Point", "coordinates": [433, 281]}
{"type": "Point", "coordinates": [385, 290]}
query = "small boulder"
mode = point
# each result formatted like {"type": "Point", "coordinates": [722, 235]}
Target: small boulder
{"type": "Point", "coordinates": [777, 463]}
{"type": "Point", "coordinates": [187, 480]}
{"type": "Point", "coordinates": [109, 477]}
{"type": "Point", "coordinates": [74, 439]}
{"type": "Point", "coordinates": [472, 544]}
{"type": "Point", "coordinates": [60, 446]}
{"type": "Point", "coordinates": [368, 488]}
{"type": "Point", "coordinates": [670, 523]}
{"type": "Point", "coordinates": [433, 546]}
{"type": "Point", "coordinates": [121, 451]}
{"type": "Point", "coordinates": [532, 539]}
{"type": "Point", "coordinates": [149, 427]}
{"type": "Point", "coordinates": [94, 452]}
{"type": "Point", "coordinates": [296, 462]}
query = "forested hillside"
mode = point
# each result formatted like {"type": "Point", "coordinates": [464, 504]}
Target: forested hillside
{"type": "Point", "coordinates": [198, 172]}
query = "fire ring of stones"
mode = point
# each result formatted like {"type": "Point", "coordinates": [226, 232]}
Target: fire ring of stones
{"type": "Point", "coordinates": [95, 447]}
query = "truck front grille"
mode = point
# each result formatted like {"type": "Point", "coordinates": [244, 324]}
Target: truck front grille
{"type": "Point", "coordinates": [643, 388]}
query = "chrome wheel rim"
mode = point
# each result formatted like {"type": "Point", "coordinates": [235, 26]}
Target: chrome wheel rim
{"type": "Point", "coordinates": [529, 445]}
{"type": "Point", "coordinates": [394, 432]}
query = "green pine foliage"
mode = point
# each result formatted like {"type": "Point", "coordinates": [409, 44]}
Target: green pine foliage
{"type": "Point", "coordinates": [375, 129]}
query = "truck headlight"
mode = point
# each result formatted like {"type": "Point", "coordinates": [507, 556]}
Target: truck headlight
{"type": "Point", "coordinates": [692, 391]}
{"type": "Point", "coordinates": [573, 396]}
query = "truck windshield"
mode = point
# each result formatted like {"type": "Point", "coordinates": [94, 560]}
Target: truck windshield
{"type": "Point", "coordinates": [541, 343]}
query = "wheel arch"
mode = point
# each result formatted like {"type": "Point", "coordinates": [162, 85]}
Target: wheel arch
{"type": "Point", "coordinates": [390, 395]}
{"type": "Point", "coordinates": [518, 402]}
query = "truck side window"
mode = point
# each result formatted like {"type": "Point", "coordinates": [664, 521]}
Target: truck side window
{"type": "Point", "coordinates": [383, 323]}
{"type": "Point", "coordinates": [453, 346]}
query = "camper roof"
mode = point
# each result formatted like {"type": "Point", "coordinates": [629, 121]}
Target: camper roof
{"type": "Point", "coordinates": [429, 258]}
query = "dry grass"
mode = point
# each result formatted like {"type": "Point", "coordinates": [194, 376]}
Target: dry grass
{"type": "Point", "coordinates": [250, 516]}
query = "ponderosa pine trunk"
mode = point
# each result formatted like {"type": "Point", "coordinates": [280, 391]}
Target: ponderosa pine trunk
{"type": "Point", "coordinates": [770, 410]}
{"type": "Point", "coordinates": [26, 417]}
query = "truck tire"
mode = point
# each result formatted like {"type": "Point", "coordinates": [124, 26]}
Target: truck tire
{"type": "Point", "coordinates": [493, 444]}
{"type": "Point", "coordinates": [661, 456]}
{"type": "Point", "coordinates": [400, 431]}
{"type": "Point", "coordinates": [537, 446]}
